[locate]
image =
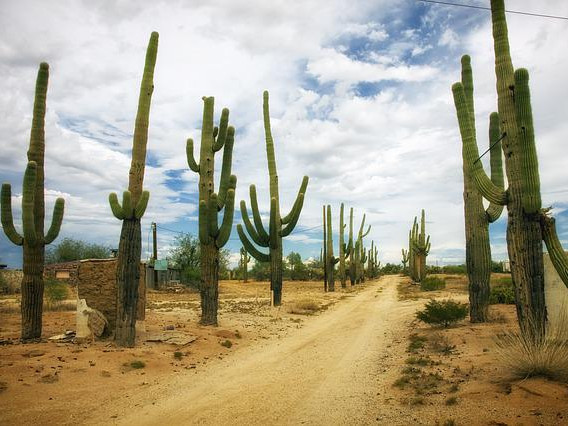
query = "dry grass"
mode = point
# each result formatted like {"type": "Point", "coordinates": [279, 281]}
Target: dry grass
{"type": "Point", "coordinates": [527, 357]}
{"type": "Point", "coordinates": [305, 307]}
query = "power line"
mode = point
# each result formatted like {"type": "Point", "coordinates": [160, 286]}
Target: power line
{"type": "Point", "coordinates": [518, 12]}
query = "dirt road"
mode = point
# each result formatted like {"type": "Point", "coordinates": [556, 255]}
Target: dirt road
{"type": "Point", "coordinates": [335, 370]}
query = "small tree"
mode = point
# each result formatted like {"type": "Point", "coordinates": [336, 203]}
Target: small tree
{"type": "Point", "coordinates": [70, 249]}
{"type": "Point", "coordinates": [444, 313]}
{"type": "Point", "coordinates": [185, 255]}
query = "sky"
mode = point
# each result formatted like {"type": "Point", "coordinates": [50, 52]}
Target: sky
{"type": "Point", "coordinates": [360, 101]}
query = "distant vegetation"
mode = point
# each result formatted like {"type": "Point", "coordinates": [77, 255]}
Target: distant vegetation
{"type": "Point", "coordinates": [70, 249]}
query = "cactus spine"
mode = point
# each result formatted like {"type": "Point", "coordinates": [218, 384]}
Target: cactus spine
{"type": "Point", "coordinates": [477, 219]}
{"type": "Point", "coordinates": [33, 240]}
{"type": "Point", "coordinates": [134, 202]}
{"type": "Point", "coordinates": [245, 259]}
{"type": "Point", "coordinates": [212, 237]}
{"type": "Point", "coordinates": [276, 231]}
{"type": "Point", "coordinates": [527, 223]}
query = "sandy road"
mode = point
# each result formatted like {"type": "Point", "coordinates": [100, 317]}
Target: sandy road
{"type": "Point", "coordinates": [329, 372]}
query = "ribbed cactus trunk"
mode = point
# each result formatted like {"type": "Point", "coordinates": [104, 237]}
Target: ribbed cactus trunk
{"type": "Point", "coordinates": [331, 260]}
{"type": "Point", "coordinates": [352, 262]}
{"type": "Point", "coordinates": [343, 249]}
{"type": "Point", "coordinates": [325, 278]}
{"type": "Point", "coordinates": [209, 287]}
{"type": "Point", "coordinates": [33, 239]}
{"type": "Point", "coordinates": [133, 207]}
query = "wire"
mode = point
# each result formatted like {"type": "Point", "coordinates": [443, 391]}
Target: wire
{"type": "Point", "coordinates": [518, 12]}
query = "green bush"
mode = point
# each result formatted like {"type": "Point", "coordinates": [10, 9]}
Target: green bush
{"type": "Point", "coordinates": [432, 284]}
{"type": "Point", "coordinates": [55, 292]}
{"type": "Point", "coordinates": [445, 312]}
{"type": "Point", "coordinates": [502, 294]}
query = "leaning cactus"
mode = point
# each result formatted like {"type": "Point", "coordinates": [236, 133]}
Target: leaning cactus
{"type": "Point", "coordinates": [33, 239]}
{"type": "Point", "coordinates": [477, 219]}
{"type": "Point", "coordinates": [528, 223]}
{"type": "Point", "coordinates": [420, 249]}
{"type": "Point", "coordinates": [134, 202]}
{"type": "Point", "coordinates": [276, 231]}
{"type": "Point", "coordinates": [245, 259]}
{"type": "Point", "coordinates": [330, 260]}
{"type": "Point", "coordinates": [212, 237]}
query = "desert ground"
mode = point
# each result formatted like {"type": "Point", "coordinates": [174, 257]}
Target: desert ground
{"type": "Point", "coordinates": [355, 356]}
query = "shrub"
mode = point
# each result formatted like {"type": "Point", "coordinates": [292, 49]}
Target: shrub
{"type": "Point", "coordinates": [55, 292]}
{"type": "Point", "coordinates": [502, 294]}
{"type": "Point", "coordinates": [445, 312]}
{"type": "Point", "coordinates": [432, 284]}
{"type": "Point", "coordinates": [526, 356]}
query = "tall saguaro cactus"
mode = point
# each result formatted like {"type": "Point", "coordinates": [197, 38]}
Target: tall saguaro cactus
{"type": "Point", "coordinates": [420, 248]}
{"type": "Point", "coordinates": [134, 202]}
{"type": "Point", "coordinates": [344, 249]}
{"type": "Point", "coordinates": [357, 254]}
{"type": "Point", "coordinates": [528, 223]}
{"type": "Point", "coordinates": [245, 259]}
{"type": "Point", "coordinates": [331, 260]}
{"type": "Point", "coordinates": [212, 236]}
{"type": "Point", "coordinates": [33, 240]}
{"type": "Point", "coordinates": [477, 219]}
{"type": "Point", "coordinates": [405, 257]}
{"type": "Point", "coordinates": [279, 226]}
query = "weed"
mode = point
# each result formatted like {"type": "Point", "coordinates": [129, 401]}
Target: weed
{"type": "Point", "coordinates": [423, 361]}
{"type": "Point", "coordinates": [55, 292]}
{"type": "Point", "coordinates": [432, 284]}
{"type": "Point", "coordinates": [178, 355]}
{"type": "Point", "coordinates": [402, 381]}
{"type": "Point", "coordinates": [452, 400]}
{"type": "Point", "coordinates": [417, 400]}
{"type": "Point", "coordinates": [411, 370]}
{"type": "Point", "coordinates": [440, 343]}
{"type": "Point", "coordinates": [502, 294]}
{"type": "Point", "coordinates": [227, 343]}
{"type": "Point", "coordinates": [454, 388]}
{"type": "Point", "coordinates": [444, 313]}
{"type": "Point", "coordinates": [305, 307]}
{"type": "Point", "coordinates": [416, 342]}
{"type": "Point", "coordinates": [136, 365]}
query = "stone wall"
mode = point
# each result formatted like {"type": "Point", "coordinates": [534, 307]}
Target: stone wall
{"type": "Point", "coordinates": [97, 284]}
{"type": "Point", "coordinates": [556, 293]}
{"type": "Point", "coordinates": [66, 272]}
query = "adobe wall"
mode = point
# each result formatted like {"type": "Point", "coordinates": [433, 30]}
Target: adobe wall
{"type": "Point", "coordinates": [555, 292]}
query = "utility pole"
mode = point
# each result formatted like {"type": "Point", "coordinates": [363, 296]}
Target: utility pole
{"type": "Point", "coordinates": [155, 253]}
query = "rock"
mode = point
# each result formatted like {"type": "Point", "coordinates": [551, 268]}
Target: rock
{"type": "Point", "coordinates": [33, 353]}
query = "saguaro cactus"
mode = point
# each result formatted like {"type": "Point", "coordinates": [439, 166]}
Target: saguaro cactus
{"type": "Point", "coordinates": [344, 249]}
{"type": "Point", "coordinates": [477, 219]}
{"type": "Point", "coordinates": [405, 257]}
{"type": "Point", "coordinates": [324, 249]}
{"type": "Point", "coordinates": [276, 231]}
{"type": "Point", "coordinates": [211, 236]}
{"type": "Point", "coordinates": [134, 202]}
{"type": "Point", "coordinates": [420, 248]}
{"type": "Point", "coordinates": [331, 260]}
{"type": "Point", "coordinates": [245, 259]}
{"type": "Point", "coordinates": [33, 240]}
{"type": "Point", "coordinates": [527, 222]}
{"type": "Point", "coordinates": [357, 255]}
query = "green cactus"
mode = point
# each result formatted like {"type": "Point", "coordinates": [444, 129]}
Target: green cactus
{"type": "Point", "coordinates": [245, 259]}
{"type": "Point", "coordinates": [527, 223]}
{"type": "Point", "coordinates": [420, 248]}
{"type": "Point", "coordinates": [279, 226]}
{"type": "Point", "coordinates": [477, 219]}
{"type": "Point", "coordinates": [33, 240]}
{"type": "Point", "coordinates": [324, 249]}
{"type": "Point", "coordinates": [212, 237]}
{"type": "Point", "coordinates": [405, 258]}
{"type": "Point", "coordinates": [373, 262]}
{"type": "Point", "coordinates": [357, 251]}
{"type": "Point", "coordinates": [330, 260]}
{"type": "Point", "coordinates": [134, 202]}
{"type": "Point", "coordinates": [344, 249]}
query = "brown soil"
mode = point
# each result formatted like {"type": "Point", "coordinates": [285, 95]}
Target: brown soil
{"type": "Point", "coordinates": [336, 363]}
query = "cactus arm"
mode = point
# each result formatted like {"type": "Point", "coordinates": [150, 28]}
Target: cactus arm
{"type": "Point", "coordinates": [7, 219]}
{"type": "Point", "coordinates": [227, 179]}
{"type": "Point", "coordinates": [249, 247]}
{"type": "Point", "coordinates": [142, 204]}
{"type": "Point", "coordinates": [249, 226]}
{"type": "Point", "coordinates": [272, 226]}
{"type": "Point", "coordinates": [56, 220]}
{"type": "Point", "coordinates": [115, 206]}
{"type": "Point", "coordinates": [256, 215]}
{"type": "Point", "coordinates": [494, 211]}
{"type": "Point", "coordinates": [287, 230]}
{"type": "Point", "coordinates": [212, 216]}
{"type": "Point", "coordinates": [486, 187]}
{"type": "Point", "coordinates": [555, 250]}
{"type": "Point", "coordinates": [127, 204]}
{"type": "Point", "coordinates": [227, 224]}
{"type": "Point", "coordinates": [140, 138]}
{"type": "Point", "coordinates": [222, 131]}
{"type": "Point", "coordinates": [190, 157]}
{"type": "Point", "coordinates": [297, 207]}
{"type": "Point", "coordinates": [203, 227]}
{"type": "Point", "coordinates": [530, 181]}
{"type": "Point", "coordinates": [334, 260]}
{"type": "Point", "coordinates": [28, 197]}
{"type": "Point", "coordinates": [366, 233]}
